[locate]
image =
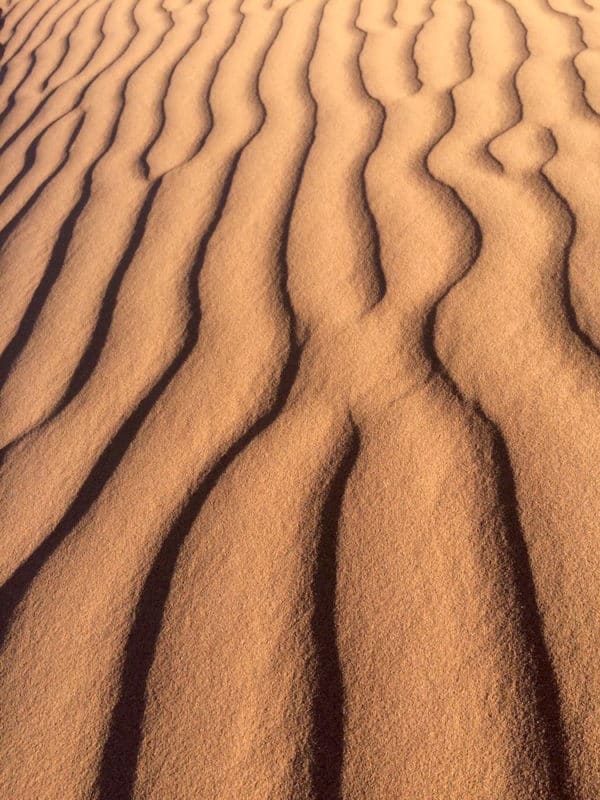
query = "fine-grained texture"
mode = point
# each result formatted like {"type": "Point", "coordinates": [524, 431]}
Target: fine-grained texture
{"type": "Point", "coordinates": [300, 400]}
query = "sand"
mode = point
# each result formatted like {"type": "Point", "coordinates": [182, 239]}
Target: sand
{"type": "Point", "coordinates": [300, 400]}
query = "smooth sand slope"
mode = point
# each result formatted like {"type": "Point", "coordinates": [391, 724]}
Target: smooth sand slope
{"type": "Point", "coordinates": [300, 400]}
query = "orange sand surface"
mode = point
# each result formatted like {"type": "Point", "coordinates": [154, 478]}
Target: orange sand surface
{"type": "Point", "coordinates": [300, 400]}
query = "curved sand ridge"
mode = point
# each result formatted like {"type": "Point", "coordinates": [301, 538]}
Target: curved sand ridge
{"type": "Point", "coordinates": [298, 399]}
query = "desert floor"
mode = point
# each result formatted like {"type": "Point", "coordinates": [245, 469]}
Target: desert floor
{"type": "Point", "coordinates": [300, 400]}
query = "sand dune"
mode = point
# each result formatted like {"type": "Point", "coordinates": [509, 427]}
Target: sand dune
{"type": "Point", "coordinates": [299, 399]}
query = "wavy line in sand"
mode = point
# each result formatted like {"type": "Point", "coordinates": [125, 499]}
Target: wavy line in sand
{"type": "Point", "coordinates": [92, 351]}
{"type": "Point", "coordinates": [121, 440]}
{"type": "Point", "coordinates": [328, 702]}
{"type": "Point", "coordinates": [206, 119]}
{"type": "Point", "coordinates": [379, 273]}
{"type": "Point", "coordinates": [568, 305]}
{"type": "Point", "coordinates": [69, 45]}
{"type": "Point", "coordinates": [31, 64]}
{"type": "Point", "coordinates": [124, 740]}
{"type": "Point", "coordinates": [51, 8]}
{"type": "Point", "coordinates": [80, 95]}
{"type": "Point", "coordinates": [571, 123]}
{"type": "Point", "coordinates": [546, 694]}
{"type": "Point", "coordinates": [501, 467]}
{"type": "Point", "coordinates": [114, 416]}
{"type": "Point", "coordinates": [66, 236]}
{"type": "Point", "coordinates": [145, 166]}
{"type": "Point", "coordinates": [30, 159]}
{"type": "Point", "coordinates": [36, 58]}
{"type": "Point", "coordinates": [121, 787]}
{"type": "Point", "coordinates": [149, 620]}
{"type": "Point", "coordinates": [97, 339]}
{"type": "Point", "coordinates": [29, 54]}
{"type": "Point", "coordinates": [290, 212]}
